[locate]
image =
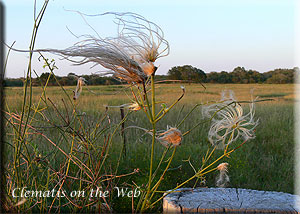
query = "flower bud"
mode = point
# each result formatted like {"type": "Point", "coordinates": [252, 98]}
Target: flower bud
{"type": "Point", "coordinates": [172, 136]}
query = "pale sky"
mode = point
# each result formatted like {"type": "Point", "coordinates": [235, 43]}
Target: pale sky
{"type": "Point", "coordinates": [212, 35]}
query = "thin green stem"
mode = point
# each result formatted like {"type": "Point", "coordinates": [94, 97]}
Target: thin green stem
{"type": "Point", "coordinates": [147, 100]}
{"type": "Point", "coordinates": [153, 141]}
{"type": "Point", "coordinates": [198, 173]}
{"type": "Point", "coordinates": [153, 190]}
{"type": "Point", "coordinates": [143, 105]}
{"type": "Point", "coordinates": [158, 118]}
{"type": "Point", "coordinates": [160, 162]}
{"type": "Point", "coordinates": [111, 137]}
{"type": "Point", "coordinates": [21, 135]}
{"type": "Point", "coordinates": [188, 114]}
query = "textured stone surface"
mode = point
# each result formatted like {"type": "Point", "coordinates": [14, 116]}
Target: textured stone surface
{"type": "Point", "coordinates": [230, 199]}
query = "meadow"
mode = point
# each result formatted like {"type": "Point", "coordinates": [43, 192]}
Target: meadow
{"type": "Point", "coordinates": [263, 163]}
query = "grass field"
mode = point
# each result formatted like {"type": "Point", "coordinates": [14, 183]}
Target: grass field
{"type": "Point", "coordinates": [263, 163]}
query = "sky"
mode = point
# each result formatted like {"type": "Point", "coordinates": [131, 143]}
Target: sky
{"type": "Point", "coordinates": [212, 35]}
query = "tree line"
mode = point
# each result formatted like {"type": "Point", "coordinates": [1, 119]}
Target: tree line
{"type": "Point", "coordinates": [238, 75]}
{"type": "Point", "coordinates": [185, 73]}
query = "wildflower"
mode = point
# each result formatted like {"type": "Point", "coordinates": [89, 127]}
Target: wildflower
{"type": "Point", "coordinates": [222, 167]}
{"type": "Point", "coordinates": [148, 68]}
{"type": "Point", "coordinates": [230, 122]}
{"type": "Point", "coordinates": [129, 56]}
{"type": "Point", "coordinates": [80, 82]}
{"type": "Point", "coordinates": [222, 178]}
{"type": "Point", "coordinates": [172, 136]}
{"type": "Point", "coordinates": [134, 107]}
{"type": "Point", "coordinates": [227, 97]}
{"type": "Point", "coordinates": [143, 38]}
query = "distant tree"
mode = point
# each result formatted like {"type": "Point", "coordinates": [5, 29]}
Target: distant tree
{"type": "Point", "coordinates": [13, 82]}
{"type": "Point", "coordinates": [71, 74]}
{"type": "Point", "coordinates": [225, 77]}
{"type": "Point", "coordinates": [44, 77]}
{"type": "Point", "coordinates": [219, 77]}
{"type": "Point", "coordinates": [280, 76]}
{"type": "Point", "coordinates": [255, 77]}
{"type": "Point", "coordinates": [174, 73]}
{"type": "Point", "coordinates": [239, 75]}
{"type": "Point", "coordinates": [186, 72]}
{"type": "Point", "coordinates": [161, 77]}
{"type": "Point", "coordinates": [212, 77]}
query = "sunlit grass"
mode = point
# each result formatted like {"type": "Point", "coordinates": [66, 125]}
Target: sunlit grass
{"type": "Point", "coordinates": [264, 163]}
{"type": "Point", "coordinates": [98, 96]}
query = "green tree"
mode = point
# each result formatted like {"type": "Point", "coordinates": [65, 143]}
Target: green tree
{"type": "Point", "coordinates": [44, 77]}
{"type": "Point", "coordinates": [239, 75]}
{"type": "Point", "coordinates": [175, 73]}
{"type": "Point", "coordinates": [280, 76]}
{"type": "Point", "coordinates": [186, 72]}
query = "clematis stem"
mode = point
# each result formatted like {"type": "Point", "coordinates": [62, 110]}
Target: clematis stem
{"type": "Point", "coordinates": [153, 141]}
{"type": "Point", "coordinates": [159, 117]}
{"type": "Point", "coordinates": [163, 174]}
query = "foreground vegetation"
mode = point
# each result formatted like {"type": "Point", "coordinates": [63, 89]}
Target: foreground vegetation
{"type": "Point", "coordinates": [264, 163]}
{"type": "Point", "coordinates": [69, 151]}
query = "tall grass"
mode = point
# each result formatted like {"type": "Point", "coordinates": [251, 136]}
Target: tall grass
{"type": "Point", "coordinates": [58, 143]}
{"type": "Point", "coordinates": [259, 161]}
{"type": "Point", "coordinates": [51, 149]}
